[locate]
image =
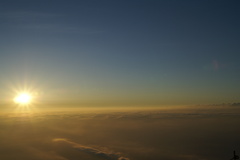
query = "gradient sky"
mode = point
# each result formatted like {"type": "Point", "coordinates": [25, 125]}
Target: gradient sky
{"type": "Point", "coordinates": [121, 52]}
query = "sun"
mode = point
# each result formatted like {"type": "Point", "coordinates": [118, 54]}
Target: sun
{"type": "Point", "coordinates": [23, 99]}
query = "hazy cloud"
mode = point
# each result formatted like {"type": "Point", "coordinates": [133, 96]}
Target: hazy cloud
{"type": "Point", "coordinates": [101, 152]}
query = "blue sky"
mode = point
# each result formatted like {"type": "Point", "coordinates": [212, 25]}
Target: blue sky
{"type": "Point", "coordinates": [153, 52]}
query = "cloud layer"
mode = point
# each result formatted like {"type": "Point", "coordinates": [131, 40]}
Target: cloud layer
{"type": "Point", "coordinates": [184, 134]}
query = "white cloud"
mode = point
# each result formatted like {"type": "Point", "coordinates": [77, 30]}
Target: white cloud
{"type": "Point", "coordinates": [101, 152]}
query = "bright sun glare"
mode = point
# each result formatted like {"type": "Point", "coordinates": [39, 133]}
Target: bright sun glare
{"type": "Point", "coordinates": [23, 99]}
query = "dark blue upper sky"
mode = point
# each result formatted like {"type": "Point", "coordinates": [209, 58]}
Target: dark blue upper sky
{"type": "Point", "coordinates": [122, 51]}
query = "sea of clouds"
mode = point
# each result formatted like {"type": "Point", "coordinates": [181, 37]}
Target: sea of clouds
{"type": "Point", "coordinates": [137, 134]}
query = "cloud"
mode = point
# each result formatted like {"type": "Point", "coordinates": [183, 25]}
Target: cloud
{"type": "Point", "coordinates": [100, 152]}
{"type": "Point", "coordinates": [236, 104]}
{"type": "Point", "coordinates": [205, 132]}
